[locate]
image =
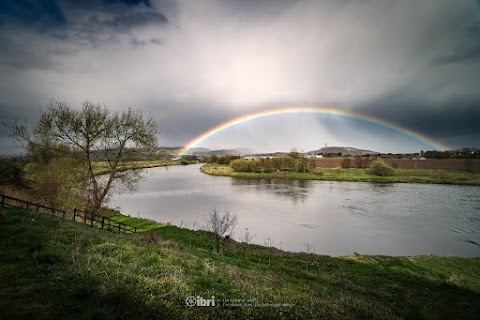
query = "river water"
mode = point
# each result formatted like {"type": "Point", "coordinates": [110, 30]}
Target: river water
{"type": "Point", "coordinates": [325, 217]}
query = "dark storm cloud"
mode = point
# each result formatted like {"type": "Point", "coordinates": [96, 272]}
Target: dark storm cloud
{"type": "Point", "coordinates": [31, 13]}
{"type": "Point", "coordinates": [94, 21]}
{"type": "Point", "coordinates": [43, 36]}
{"type": "Point", "coordinates": [439, 121]}
{"type": "Point", "coordinates": [135, 20]}
{"type": "Point", "coordinates": [468, 49]}
{"type": "Point", "coordinates": [195, 64]}
{"type": "Point", "coordinates": [129, 2]}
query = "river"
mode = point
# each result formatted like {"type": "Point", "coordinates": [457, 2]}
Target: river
{"type": "Point", "coordinates": [325, 217]}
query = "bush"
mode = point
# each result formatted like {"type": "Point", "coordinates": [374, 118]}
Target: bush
{"type": "Point", "coordinates": [10, 172]}
{"type": "Point", "coordinates": [287, 163]}
{"type": "Point", "coordinates": [222, 160]}
{"type": "Point", "coordinates": [380, 168]}
{"type": "Point", "coordinates": [221, 226]}
{"type": "Point", "coordinates": [346, 163]}
{"type": "Point", "coordinates": [302, 165]}
{"type": "Point", "coordinates": [244, 165]}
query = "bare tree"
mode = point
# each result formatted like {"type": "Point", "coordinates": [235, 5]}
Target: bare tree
{"type": "Point", "coordinates": [90, 134]}
{"type": "Point", "coordinates": [219, 225]}
{"type": "Point", "coordinates": [247, 237]}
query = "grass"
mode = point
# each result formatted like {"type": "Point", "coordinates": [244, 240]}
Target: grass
{"type": "Point", "coordinates": [54, 269]}
{"type": "Point", "coordinates": [358, 175]}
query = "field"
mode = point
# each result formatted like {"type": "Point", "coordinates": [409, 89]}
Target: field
{"type": "Point", "coordinates": [359, 175]}
{"type": "Point", "coordinates": [471, 165]}
{"type": "Point", "coordinates": [56, 269]}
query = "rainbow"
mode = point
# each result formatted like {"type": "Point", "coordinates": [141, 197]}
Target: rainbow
{"type": "Point", "coordinates": [326, 111]}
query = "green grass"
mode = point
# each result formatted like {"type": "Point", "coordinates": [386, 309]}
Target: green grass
{"type": "Point", "coordinates": [55, 269]}
{"type": "Point", "coordinates": [358, 175]}
{"type": "Point", "coordinates": [140, 223]}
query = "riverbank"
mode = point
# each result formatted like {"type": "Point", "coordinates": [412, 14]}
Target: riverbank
{"type": "Point", "coordinates": [101, 167]}
{"type": "Point", "coordinates": [54, 269]}
{"type": "Point", "coordinates": [355, 175]}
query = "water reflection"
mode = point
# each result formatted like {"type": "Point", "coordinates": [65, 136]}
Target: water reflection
{"type": "Point", "coordinates": [295, 190]}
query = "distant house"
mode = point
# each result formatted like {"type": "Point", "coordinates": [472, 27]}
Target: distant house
{"type": "Point", "coordinates": [259, 157]}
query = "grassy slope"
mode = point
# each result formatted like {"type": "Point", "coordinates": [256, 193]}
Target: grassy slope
{"type": "Point", "coordinates": [51, 268]}
{"type": "Point", "coordinates": [361, 175]}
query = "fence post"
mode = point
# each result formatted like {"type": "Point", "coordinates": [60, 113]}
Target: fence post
{"type": "Point", "coordinates": [105, 221]}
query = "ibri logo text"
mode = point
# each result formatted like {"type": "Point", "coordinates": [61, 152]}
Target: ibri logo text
{"type": "Point", "coordinates": [198, 301]}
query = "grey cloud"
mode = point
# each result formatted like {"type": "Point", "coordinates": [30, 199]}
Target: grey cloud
{"type": "Point", "coordinates": [20, 56]}
{"type": "Point", "coordinates": [104, 27]}
{"type": "Point", "coordinates": [439, 121]}
{"type": "Point", "coordinates": [141, 43]}
{"type": "Point", "coordinates": [463, 52]}
{"type": "Point", "coordinates": [468, 49]}
{"type": "Point", "coordinates": [134, 20]}
{"type": "Point", "coordinates": [229, 58]}
{"type": "Point", "coordinates": [79, 26]}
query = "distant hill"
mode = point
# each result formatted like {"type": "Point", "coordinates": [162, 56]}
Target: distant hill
{"type": "Point", "coordinates": [171, 148]}
{"type": "Point", "coordinates": [197, 150]}
{"type": "Point", "coordinates": [343, 150]}
{"type": "Point", "coordinates": [218, 152]}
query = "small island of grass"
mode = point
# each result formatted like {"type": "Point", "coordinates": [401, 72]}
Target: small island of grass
{"type": "Point", "coordinates": [354, 175]}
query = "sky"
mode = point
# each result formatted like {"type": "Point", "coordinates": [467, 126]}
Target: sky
{"type": "Point", "coordinates": [193, 65]}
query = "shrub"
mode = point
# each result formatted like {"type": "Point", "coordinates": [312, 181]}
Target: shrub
{"type": "Point", "coordinates": [303, 165]}
{"type": "Point", "coordinates": [346, 163]}
{"type": "Point", "coordinates": [10, 172]}
{"type": "Point", "coordinates": [380, 168]}
{"type": "Point", "coordinates": [287, 163]}
{"type": "Point", "coordinates": [243, 165]}
{"type": "Point", "coordinates": [221, 226]}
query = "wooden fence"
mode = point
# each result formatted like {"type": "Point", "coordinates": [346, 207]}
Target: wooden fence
{"type": "Point", "coordinates": [88, 218]}
{"type": "Point", "coordinates": [99, 221]}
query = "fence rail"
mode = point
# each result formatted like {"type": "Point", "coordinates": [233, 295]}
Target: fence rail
{"type": "Point", "coordinates": [97, 220]}
{"type": "Point", "coordinates": [88, 218]}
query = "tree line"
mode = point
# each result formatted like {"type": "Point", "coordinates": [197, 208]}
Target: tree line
{"type": "Point", "coordinates": [267, 165]}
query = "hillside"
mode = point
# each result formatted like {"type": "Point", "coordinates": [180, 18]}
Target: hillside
{"type": "Point", "coordinates": [56, 269]}
{"type": "Point", "coordinates": [343, 150]}
{"type": "Point", "coordinates": [218, 152]}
